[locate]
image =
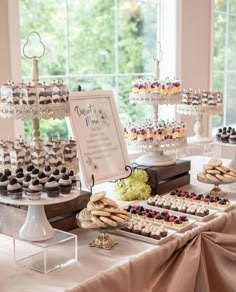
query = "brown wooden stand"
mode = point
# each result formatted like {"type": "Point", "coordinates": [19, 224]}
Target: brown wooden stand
{"type": "Point", "coordinates": [163, 179]}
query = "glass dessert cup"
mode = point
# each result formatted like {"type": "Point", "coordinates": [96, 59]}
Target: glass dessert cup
{"type": "Point", "coordinates": [103, 240]}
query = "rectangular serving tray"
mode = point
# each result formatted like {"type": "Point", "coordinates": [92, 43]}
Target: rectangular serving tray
{"type": "Point", "coordinates": [216, 208]}
{"type": "Point", "coordinates": [143, 238]}
{"type": "Point", "coordinates": [192, 217]}
{"type": "Point", "coordinates": [179, 229]}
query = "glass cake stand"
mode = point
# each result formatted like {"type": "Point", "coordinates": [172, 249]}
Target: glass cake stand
{"type": "Point", "coordinates": [103, 240]}
{"type": "Point", "coordinates": [216, 190]}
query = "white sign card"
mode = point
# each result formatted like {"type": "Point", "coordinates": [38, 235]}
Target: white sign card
{"type": "Point", "coordinates": [96, 127]}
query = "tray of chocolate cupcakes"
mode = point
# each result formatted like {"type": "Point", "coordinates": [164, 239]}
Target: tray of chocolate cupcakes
{"type": "Point", "coordinates": [158, 216]}
{"type": "Point", "coordinates": [183, 202]}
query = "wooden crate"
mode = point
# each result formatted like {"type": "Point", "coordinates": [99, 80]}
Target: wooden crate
{"type": "Point", "coordinates": [163, 179]}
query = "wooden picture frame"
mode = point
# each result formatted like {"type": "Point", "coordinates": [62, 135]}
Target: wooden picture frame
{"type": "Point", "coordinates": [97, 130]}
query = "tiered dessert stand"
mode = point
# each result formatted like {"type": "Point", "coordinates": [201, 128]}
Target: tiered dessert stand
{"type": "Point", "coordinates": [199, 111]}
{"type": "Point", "coordinates": [154, 150]}
{"type": "Point", "coordinates": [36, 226]}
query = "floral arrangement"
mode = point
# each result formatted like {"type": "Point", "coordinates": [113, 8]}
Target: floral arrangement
{"type": "Point", "coordinates": [134, 187]}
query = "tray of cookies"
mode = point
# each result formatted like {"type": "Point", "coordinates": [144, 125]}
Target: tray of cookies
{"type": "Point", "coordinates": [180, 197]}
{"type": "Point", "coordinates": [102, 212]}
{"type": "Point", "coordinates": [145, 231]}
{"type": "Point", "coordinates": [198, 212]}
{"type": "Point", "coordinates": [169, 219]}
{"type": "Point", "coordinates": [214, 172]}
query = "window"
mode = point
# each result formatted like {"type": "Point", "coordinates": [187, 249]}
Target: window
{"type": "Point", "coordinates": [97, 44]}
{"type": "Point", "coordinates": [224, 72]}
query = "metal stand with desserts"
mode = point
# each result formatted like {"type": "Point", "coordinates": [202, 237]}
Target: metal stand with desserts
{"type": "Point", "coordinates": [36, 226]}
{"type": "Point", "coordinates": [214, 172]}
{"type": "Point", "coordinates": [154, 150]}
{"type": "Point", "coordinates": [200, 111]}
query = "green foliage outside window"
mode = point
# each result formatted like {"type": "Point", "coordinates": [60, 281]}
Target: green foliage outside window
{"type": "Point", "coordinates": [92, 43]}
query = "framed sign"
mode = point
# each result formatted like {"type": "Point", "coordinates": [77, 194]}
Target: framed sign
{"type": "Point", "coordinates": [96, 127]}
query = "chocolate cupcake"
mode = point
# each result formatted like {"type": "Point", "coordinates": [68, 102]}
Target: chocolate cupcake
{"type": "Point", "coordinates": [8, 173]}
{"type": "Point", "coordinates": [4, 181]}
{"type": "Point", "coordinates": [52, 187]}
{"type": "Point", "coordinates": [225, 136]}
{"type": "Point", "coordinates": [72, 177]}
{"type": "Point", "coordinates": [63, 170]}
{"type": "Point", "coordinates": [26, 181]}
{"type": "Point", "coordinates": [56, 174]}
{"type": "Point", "coordinates": [14, 189]}
{"type": "Point", "coordinates": [65, 184]}
{"type": "Point", "coordinates": [42, 178]}
{"type": "Point", "coordinates": [34, 190]}
{"type": "Point", "coordinates": [29, 169]}
{"type": "Point", "coordinates": [232, 137]}
{"type": "Point", "coordinates": [48, 170]}
{"type": "Point", "coordinates": [218, 135]}
{"type": "Point", "coordinates": [20, 177]}
{"type": "Point", "coordinates": [35, 173]}
{"type": "Point", "coordinates": [19, 169]}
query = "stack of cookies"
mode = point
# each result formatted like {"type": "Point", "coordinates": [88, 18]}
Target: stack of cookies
{"type": "Point", "coordinates": [102, 212]}
{"type": "Point", "coordinates": [215, 172]}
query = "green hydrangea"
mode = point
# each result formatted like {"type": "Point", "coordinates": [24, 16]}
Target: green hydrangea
{"type": "Point", "coordinates": [134, 187]}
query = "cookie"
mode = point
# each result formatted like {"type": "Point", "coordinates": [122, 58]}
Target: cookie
{"type": "Point", "coordinates": [232, 169]}
{"type": "Point", "coordinates": [85, 215]}
{"type": "Point", "coordinates": [109, 202]}
{"type": "Point", "coordinates": [215, 162]}
{"type": "Point", "coordinates": [202, 175]}
{"type": "Point", "coordinates": [118, 219]}
{"type": "Point", "coordinates": [122, 216]}
{"type": "Point", "coordinates": [97, 196]}
{"type": "Point", "coordinates": [108, 221]}
{"type": "Point", "coordinates": [95, 219]}
{"type": "Point", "coordinates": [95, 206]}
{"type": "Point", "coordinates": [101, 213]}
{"type": "Point", "coordinates": [213, 171]}
{"type": "Point", "coordinates": [229, 177]}
{"type": "Point", "coordinates": [115, 210]}
{"type": "Point", "coordinates": [221, 169]}
{"type": "Point", "coordinates": [232, 174]}
{"type": "Point", "coordinates": [212, 178]}
{"type": "Point", "coordinates": [207, 167]}
{"type": "Point", "coordinates": [221, 177]}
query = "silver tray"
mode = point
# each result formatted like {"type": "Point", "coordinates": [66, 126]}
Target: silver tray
{"type": "Point", "coordinates": [143, 238]}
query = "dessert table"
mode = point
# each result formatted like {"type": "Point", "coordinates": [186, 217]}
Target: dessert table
{"type": "Point", "coordinates": [200, 259]}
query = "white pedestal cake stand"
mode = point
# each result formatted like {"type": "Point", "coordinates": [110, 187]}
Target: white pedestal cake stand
{"type": "Point", "coordinates": [199, 111]}
{"type": "Point", "coordinates": [36, 226]}
{"type": "Point", "coordinates": [154, 151]}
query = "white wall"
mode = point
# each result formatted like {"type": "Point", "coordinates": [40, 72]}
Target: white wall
{"type": "Point", "coordinates": [10, 58]}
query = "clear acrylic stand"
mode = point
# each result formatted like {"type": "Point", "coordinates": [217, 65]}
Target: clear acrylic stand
{"type": "Point", "coordinates": [46, 256]}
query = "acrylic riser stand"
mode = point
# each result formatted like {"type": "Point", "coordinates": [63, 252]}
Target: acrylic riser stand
{"type": "Point", "coordinates": [46, 256]}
